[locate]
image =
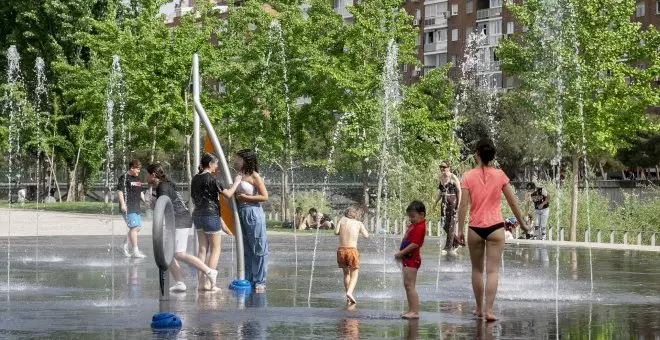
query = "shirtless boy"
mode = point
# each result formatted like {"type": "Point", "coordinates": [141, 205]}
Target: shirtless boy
{"type": "Point", "coordinates": [348, 258]}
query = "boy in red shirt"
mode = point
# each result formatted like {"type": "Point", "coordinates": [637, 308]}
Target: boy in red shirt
{"type": "Point", "coordinates": [410, 257]}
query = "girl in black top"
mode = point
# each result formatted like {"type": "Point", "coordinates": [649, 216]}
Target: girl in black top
{"type": "Point", "coordinates": [205, 189]}
{"type": "Point", "coordinates": [183, 221]}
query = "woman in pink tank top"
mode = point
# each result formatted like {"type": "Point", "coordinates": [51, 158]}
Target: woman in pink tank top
{"type": "Point", "coordinates": [482, 189]}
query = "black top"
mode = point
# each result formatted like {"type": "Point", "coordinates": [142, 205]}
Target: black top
{"type": "Point", "coordinates": [131, 186]}
{"type": "Point", "coordinates": [181, 213]}
{"type": "Point", "coordinates": [538, 196]}
{"type": "Point", "coordinates": [449, 188]}
{"type": "Point", "coordinates": [204, 191]}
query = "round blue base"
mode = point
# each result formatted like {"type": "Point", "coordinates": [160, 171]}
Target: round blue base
{"type": "Point", "coordinates": [240, 285]}
{"type": "Point", "coordinates": [165, 321]}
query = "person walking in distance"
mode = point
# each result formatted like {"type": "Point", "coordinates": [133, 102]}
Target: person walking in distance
{"type": "Point", "coordinates": [130, 195]}
{"type": "Point", "coordinates": [450, 195]}
{"type": "Point", "coordinates": [541, 200]}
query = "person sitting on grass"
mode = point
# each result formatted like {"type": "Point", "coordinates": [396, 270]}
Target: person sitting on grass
{"type": "Point", "coordinates": [348, 257]}
{"type": "Point", "coordinates": [316, 220]}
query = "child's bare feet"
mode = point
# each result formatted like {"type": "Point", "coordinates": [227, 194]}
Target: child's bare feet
{"type": "Point", "coordinates": [477, 312]}
{"type": "Point", "coordinates": [490, 316]}
{"type": "Point", "coordinates": [350, 298]}
{"type": "Point", "coordinates": [410, 315]}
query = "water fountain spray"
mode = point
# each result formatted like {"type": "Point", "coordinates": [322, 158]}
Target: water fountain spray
{"type": "Point", "coordinates": [15, 116]}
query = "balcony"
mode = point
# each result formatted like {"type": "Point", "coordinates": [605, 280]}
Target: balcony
{"type": "Point", "coordinates": [436, 47]}
{"type": "Point", "coordinates": [434, 22]}
{"type": "Point", "coordinates": [486, 13]}
{"type": "Point", "coordinates": [341, 8]}
{"type": "Point", "coordinates": [489, 67]}
{"type": "Point", "coordinates": [490, 40]}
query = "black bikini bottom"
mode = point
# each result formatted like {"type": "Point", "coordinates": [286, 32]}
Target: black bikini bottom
{"type": "Point", "coordinates": [484, 232]}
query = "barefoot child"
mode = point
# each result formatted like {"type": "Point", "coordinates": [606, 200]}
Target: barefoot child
{"type": "Point", "coordinates": [410, 257]}
{"type": "Point", "coordinates": [348, 258]}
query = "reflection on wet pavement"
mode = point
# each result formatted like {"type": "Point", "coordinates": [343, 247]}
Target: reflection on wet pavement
{"type": "Point", "coordinates": [65, 290]}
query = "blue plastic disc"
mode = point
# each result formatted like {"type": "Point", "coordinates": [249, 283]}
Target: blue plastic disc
{"type": "Point", "coordinates": [165, 320]}
{"type": "Point", "coordinates": [240, 285]}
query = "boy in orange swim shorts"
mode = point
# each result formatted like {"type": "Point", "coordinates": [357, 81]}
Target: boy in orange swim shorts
{"type": "Point", "coordinates": [348, 257]}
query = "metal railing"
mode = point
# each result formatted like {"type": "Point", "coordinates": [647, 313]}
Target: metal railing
{"type": "Point", "coordinates": [440, 46]}
{"type": "Point", "coordinates": [434, 228]}
{"type": "Point", "coordinates": [435, 21]}
{"type": "Point", "coordinates": [489, 13]}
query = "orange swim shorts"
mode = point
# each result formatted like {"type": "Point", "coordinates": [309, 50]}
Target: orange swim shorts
{"type": "Point", "coordinates": [348, 258]}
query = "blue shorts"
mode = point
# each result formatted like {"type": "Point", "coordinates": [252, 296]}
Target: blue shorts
{"type": "Point", "coordinates": [209, 223]}
{"type": "Point", "coordinates": [133, 220]}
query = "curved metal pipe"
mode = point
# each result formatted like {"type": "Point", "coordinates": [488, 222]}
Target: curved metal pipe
{"type": "Point", "coordinates": [226, 175]}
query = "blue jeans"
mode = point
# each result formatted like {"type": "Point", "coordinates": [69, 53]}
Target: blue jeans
{"type": "Point", "coordinates": [255, 242]}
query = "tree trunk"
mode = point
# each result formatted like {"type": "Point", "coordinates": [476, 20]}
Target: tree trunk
{"type": "Point", "coordinates": [71, 193]}
{"type": "Point", "coordinates": [283, 193]}
{"type": "Point", "coordinates": [574, 195]}
{"type": "Point", "coordinates": [365, 191]}
{"type": "Point", "coordinates": [152, 155]}
{"type": "Point", "coordinates": [57, 184]}
{"type": "Point", "coordinates": [602, 171]}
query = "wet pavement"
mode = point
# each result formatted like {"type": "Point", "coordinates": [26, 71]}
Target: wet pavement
{"type": "Point", "coordinates": [70, 287]}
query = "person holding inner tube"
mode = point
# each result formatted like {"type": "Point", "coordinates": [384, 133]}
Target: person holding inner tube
{"type": "Point", "coordinates": [183, 222]}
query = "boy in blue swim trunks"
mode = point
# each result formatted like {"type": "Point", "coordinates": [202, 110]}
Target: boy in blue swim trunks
{"type": "Point", "coordinates": [130, 195]}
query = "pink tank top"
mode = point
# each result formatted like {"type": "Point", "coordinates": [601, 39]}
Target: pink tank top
{"type": "Point", "coordinates": [485, 186]}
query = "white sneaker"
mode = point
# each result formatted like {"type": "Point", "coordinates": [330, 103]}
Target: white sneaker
{"type": "Point", "coordinates": [178, 287]}
{"type": "Point", "coordinates": [138, 254]}
{"type": "Point", "coordinates": [443, 252]}
{"type": "Point", "coordinates": [125, 249]}
{"type": "Point", "coordinates": [212, 275]}
{"type": "Point", "coordinates": [453, 251]}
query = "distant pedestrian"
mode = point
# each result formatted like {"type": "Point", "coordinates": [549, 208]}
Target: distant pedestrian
{"type": "Point", "coordinates": [130, 195]}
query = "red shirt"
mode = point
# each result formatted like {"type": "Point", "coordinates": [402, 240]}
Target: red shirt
{"type": "Point", "coordinates": [414, 234]}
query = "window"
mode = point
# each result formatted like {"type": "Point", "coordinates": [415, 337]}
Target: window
{"type": "Point", "coordinates": [418, 40]}
{"type": "Point", "coordinates": [467, 34]}
{"type": "Point", "coordinates": [454, 9]}
{"type": "Point", "coordinates": [405, 68]}
{"type": "Point", "coordinates": [496, 27]}
{"type": "Point", "coordinates": [640, 9]}
{"type": "Point", "coordinates": [442, 35]}
{"type": "Point", "coordinates": [509, 82]}
{"type": "Point", "coordinates": [454, 34]}
{"type": "Point", "coordinates": [469, 7]}
{"type": "Point", "coordinates": [418, 14]}
{"type": "Point", "coordinates": [429, 38]}
{"type": "Point", "coordinates": [495, 3]}
{"type": "Point", "coordinates": [429, 11]}
{"type": "Point", "coordinates": [657, 7]}
{"type": "Point", "coordinates": [509, 27]}
{"type": "Point", "coordinates": [453, 60]}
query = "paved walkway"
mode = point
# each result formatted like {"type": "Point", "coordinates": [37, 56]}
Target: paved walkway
{"type": "Point", "coordinates": [24, 223]}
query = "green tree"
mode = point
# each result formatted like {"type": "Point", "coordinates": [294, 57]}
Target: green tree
{"type": "Point", "coordinates": [582, 58]}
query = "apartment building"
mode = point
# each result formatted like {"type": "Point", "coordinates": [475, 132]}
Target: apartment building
{"type": "Point", "coordinates": [448, 23]}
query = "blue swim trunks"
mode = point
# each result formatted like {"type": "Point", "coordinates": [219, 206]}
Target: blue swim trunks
{"type": "Point", "coordinates": [133, 220]}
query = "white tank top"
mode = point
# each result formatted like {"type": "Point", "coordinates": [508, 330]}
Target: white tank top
{"type": "Point", "coordinates": [246, 188]}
